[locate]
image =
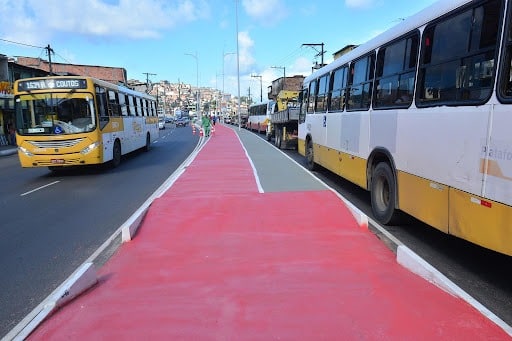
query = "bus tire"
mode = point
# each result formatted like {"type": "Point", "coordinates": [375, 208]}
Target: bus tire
{"type": "Point", "coordinates": [116, 154]}
{"type": "Point", "coordinates": [310, 156]}
{"type": "Point", "coordinates": [383, 195]}
{"type": "Point", "coordinates": [148, 143]}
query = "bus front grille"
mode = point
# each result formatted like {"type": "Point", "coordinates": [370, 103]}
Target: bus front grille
{"type": "Point", "coordinates": [56, 144]}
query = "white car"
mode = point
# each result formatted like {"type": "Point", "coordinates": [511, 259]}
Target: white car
{"type": "Point", "coordinates": [161, 124]}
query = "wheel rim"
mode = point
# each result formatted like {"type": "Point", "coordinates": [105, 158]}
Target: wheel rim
{"type": "Point", "coordinates": [309, 153]}
{"type": "Point", "coordinates": [382, 191]}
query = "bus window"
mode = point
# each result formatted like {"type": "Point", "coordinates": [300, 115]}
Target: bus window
{"type": "Point", "coordinates": [395, 74]}
{"type": "Point", "coordinates": [131, 106]}
{"type": "Point", "coordinates": [321, 98]}
{"type": "Point", "coordinates": [138, 107]}
{"type": "Point", "coordinates": [303, 96]}
{"type": "Point", "coordinates": [457, 65]}
{"type": "Point", "coordinates": [101, 99]}
{"type": "Point", "coordinates": [337, 93]}
{"type": "Point", "coordinates": [311, 97]}
{"type": "Point", "coordinates": [360, 88]}
{"type": "Point", "coordinates": [122, 104]}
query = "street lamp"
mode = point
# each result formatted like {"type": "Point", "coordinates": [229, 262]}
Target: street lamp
{"type": "Point", "coordinates": [238, 66]}
{"type": "Point", "coordinates": [223, 59]}
{"type": "Point", "coordinates": [198, 105]}
{"type": "Point", "coordinates": [261, 86]}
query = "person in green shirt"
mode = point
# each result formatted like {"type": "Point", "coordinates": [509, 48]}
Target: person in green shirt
{"type": "Point", "coordinates": [206, 124]}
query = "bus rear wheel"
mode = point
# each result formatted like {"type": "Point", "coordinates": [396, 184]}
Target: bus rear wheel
{"type": "Point", "coordinates": [383, 195]}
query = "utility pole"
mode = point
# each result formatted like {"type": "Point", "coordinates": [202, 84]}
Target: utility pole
{"type": "Point", "coordinates": [321, 53]}
{"type": "Point", "coordinates": [284, 75]}
{"type": "Point", "coordinates": [261, 86]}
{"type": "Point", "coordinates": [198, 95]}
{"type": "Point", "coordinates": [147, 80]}
{"type": "Point", "coordinates": [49, 50]}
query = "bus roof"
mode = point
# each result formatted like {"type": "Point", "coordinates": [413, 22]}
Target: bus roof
{"type": "Point", "coordinates": [415, 21]}
{"type": "Point", "coordinates": [106, 84]}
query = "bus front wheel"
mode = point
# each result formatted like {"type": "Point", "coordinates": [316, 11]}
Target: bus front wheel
{"type": "Point", "coordinates": [116, 154]}
{"type": "Point", "coordinates": [310, 156]}
{"type": "Point", "coordinates": [383, 195]}
{"type": "Point", "coordinates": [148, 143]}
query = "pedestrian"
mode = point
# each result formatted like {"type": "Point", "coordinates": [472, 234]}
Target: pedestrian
{"type": "Point", "coordinates": [206, 124]}
{"type": "Point", "coordinates": [11, 134]}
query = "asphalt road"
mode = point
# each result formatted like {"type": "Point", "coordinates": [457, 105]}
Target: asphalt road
{"type": "Point", "coordinates": [51, 223]}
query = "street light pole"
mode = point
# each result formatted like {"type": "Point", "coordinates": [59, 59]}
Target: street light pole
{"type": "Point", "coordinates": [223, 59]}
{"type": "Point", "coordinates": [198, 104]}
{"type": "Point", "coordinates": [238, 66]}
{"type": "Point", "coordinates": [261, 85]}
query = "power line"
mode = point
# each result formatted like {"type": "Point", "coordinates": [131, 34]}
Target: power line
{"type": "Point", "coordinates": [18, 43]}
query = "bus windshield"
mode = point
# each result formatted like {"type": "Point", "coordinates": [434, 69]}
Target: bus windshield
{"type": "Point", "coordinates": [54, 114]}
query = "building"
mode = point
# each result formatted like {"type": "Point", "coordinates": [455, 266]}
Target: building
{"type": "Point", "coordinates": [289, 83]}
{"type": "Point", "coordinates": [110, 74]}
{"type": "Point", "coordinates": [9, 72]}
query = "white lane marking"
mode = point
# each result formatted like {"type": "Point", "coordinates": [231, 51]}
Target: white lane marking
{"type": "Point", "coordinates": [38, 188]}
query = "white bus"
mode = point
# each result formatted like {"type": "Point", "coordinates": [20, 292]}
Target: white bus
{"type": "Point", "coordinates": [259, 115]}
{"type": "Point", "coordinates": [421, 117]}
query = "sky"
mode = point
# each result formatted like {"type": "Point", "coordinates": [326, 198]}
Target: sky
{"type": "Point", "coordinates": [195, 41]}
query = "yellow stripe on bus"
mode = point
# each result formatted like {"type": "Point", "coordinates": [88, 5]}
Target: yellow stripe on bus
{"type": "Point", "coordinates": [424, 199]}
{"type": "Point", "coordinates": [481, 221]}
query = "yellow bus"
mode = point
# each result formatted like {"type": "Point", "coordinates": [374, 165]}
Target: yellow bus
{"type": "Point", "coordinates": [421, 117]}
{"type": "Point", "coordinates": [64, 121]}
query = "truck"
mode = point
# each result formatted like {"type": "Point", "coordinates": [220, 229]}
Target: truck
{"type": "Point", "coordinates": [284, 122]}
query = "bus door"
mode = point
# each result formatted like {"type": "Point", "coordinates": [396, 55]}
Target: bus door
{"type": "Point", "coordinates": [104, 120]}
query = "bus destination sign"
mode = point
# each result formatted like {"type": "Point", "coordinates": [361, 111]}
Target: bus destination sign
{"type": "Point", "coordinates": [53, 83]}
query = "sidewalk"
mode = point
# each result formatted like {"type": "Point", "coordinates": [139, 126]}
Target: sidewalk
{"type": "Point", "coordinates": [216, 259]}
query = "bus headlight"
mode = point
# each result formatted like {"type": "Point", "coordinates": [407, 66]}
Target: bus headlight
{"type": "Point", "coordinates": [25, 151]}
{"type": "Point", "coordinates": [89, 148]}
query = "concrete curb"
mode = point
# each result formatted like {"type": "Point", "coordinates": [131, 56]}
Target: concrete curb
{"type": "Point", "coordinates": [10, 151]}
{"type": "Point", "coordinates": [81, 280]}
{"type": "Point", "coordinates": [414, 263]}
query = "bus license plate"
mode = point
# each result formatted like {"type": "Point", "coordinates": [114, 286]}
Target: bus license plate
{"type": "Point", "coordinates": [58, 161]}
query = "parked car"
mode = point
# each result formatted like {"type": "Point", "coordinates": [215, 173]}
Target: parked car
{"type": "Point", "coordinates": [161, 124]}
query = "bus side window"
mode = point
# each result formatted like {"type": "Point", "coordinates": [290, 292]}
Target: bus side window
{"type": "Point", "coordinates": [457, 63]}
{"type": "Point", "coordinates": [360, 87]}
{"type": "Point", "coordinates": [123, 104]}
{"type": "Point", "coordinates": [303, 96]}
{"type": "Point", "coordinates": [102, 103]}
{"type": "Point", "coordinates": [131, 106]}
{"type": "Point", "coordinates": [311, 97]}
{"type": "Point", "coordinates": [113, 101]}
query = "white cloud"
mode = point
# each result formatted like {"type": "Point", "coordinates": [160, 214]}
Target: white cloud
{"type": "Point", "coordinates": [245, 46]}
{"type": "Point", "coordinates": [358, 3]}
{"type": "Point", "coordinates": [133, 19]}
{"type": "Point", "coordinates": [267, 12]}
